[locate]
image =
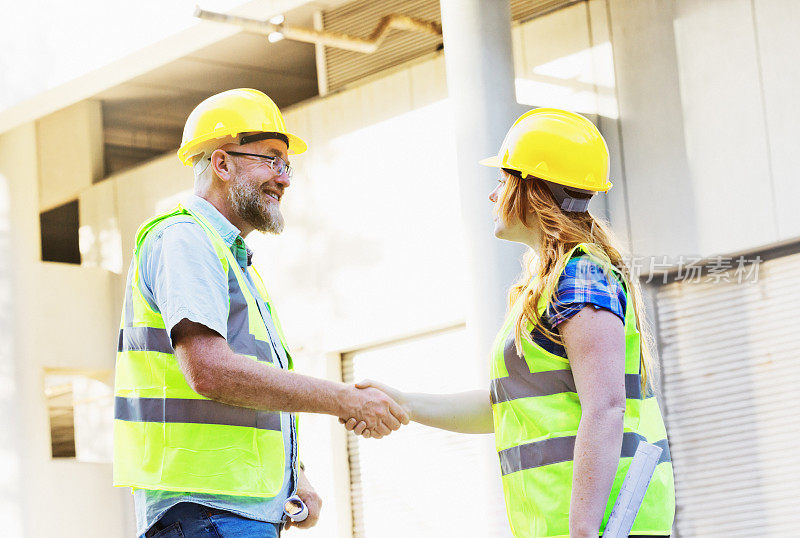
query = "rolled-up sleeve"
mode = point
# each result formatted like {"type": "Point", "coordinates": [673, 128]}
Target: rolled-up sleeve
{"type": "Point", "coordinates": [584, 283]}
{"type": "Point", "coordinates": [182, 277]}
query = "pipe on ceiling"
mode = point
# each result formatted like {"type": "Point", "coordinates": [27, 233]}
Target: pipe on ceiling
{"type": "Point", "coordinates": [337, 40]}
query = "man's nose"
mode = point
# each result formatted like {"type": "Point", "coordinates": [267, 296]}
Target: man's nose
{"type": "Point", "coordinates": [283, 180]}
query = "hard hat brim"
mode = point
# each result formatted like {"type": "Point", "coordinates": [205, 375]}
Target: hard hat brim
{"type": "Point", "coordinates": [493, 161]}
{"type": "Point", "coordinates": [496, 162]}
{"type": "Point", "coordinates": [296, 144]}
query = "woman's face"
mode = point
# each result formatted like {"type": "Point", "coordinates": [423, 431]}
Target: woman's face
{"type": "Point", "coordinates": [515, 230]}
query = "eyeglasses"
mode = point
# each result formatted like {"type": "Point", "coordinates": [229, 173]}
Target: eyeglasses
{"type": "Point", "coordinates": [278, 165]}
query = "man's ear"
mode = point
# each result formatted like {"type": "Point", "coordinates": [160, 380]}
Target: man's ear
{"type": "Point", "coordinates": [219, 163]}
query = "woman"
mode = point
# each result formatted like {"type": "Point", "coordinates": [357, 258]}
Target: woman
{"type": "Point", "coordinates": [571, 371]}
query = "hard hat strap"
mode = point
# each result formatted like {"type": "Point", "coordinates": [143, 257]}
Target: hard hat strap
{"type": "Point", "coordinates": [263, 136]}
{"type": "Point", "coordinates": [569, 198]}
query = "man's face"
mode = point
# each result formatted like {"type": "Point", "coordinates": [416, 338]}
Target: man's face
{"type": "Point", "coordinates": [255, 189]}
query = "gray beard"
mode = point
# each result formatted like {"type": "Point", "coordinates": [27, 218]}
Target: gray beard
{"type": "Point", "coordinates": [249, 204]}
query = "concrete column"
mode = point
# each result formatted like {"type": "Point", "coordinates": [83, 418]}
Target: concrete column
{"type": "Point", "coordinates": [17, 173]}
{"type": "Point", "coordinates": [20, 382]}
{"type": "Point", "coordinates": [480, 80]}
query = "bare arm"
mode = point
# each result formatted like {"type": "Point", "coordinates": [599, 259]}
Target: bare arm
{"type": "Point", "coordinates": [213, 370]}
{"type": "Point", "coordinates": [595, 344]}
{"type": "Point", "coordinates": [462, 412]}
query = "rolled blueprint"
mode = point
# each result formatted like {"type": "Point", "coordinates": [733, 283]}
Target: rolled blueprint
{"type": "Point", "coordinates": [631, 494]}
{"type": "Point", "coordinates": [295, 508]}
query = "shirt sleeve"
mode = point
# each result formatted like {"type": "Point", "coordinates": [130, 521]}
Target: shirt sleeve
{"type": "Point", "coordinates": [182, 277]}
{"type": "Point", "coordinates": [583, 283]}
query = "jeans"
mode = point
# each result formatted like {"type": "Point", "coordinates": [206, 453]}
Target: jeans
{"type": "Point", "coordinates": [190, 520]}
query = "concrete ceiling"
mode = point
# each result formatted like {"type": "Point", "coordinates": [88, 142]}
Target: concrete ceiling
{"type": "Point", "coordinates": [144, 116]}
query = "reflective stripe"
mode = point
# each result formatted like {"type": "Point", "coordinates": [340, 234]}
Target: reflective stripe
{"type": "Point", "coordinates": [240, 339]}
{"type": "Point", "coordinates": [558, 449]}
{"type": "Point", "coordinates": [532, 384]}
{"type": "Point", "coordinates": [522, 383]}
{"type": "Point", "coordinates": [169, 410]}
{"type": "Point", "coordinates": [633, 387]}
{"type": "Point", "coordinates": [276, 336]}
{"type": "Point", "coordinates": [144, 339]}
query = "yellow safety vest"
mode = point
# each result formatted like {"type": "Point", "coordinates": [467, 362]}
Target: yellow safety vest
{"type": "Point", "coordinates": [166, 435]}
{"type": "Point", "coordinates": [536, 416]}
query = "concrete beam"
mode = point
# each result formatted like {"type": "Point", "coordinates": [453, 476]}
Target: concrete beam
{"type": "Point", "coordinates": [179, 45]}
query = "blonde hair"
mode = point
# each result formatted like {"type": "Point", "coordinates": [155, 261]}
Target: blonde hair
{"type": "Point", "coordinates": [531, 202]}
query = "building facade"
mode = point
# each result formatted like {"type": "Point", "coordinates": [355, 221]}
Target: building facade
{"type": "Point", "coordinates": [374, 274]}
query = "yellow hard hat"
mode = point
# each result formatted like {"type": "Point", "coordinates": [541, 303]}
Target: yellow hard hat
{"type": "Point", "coordinates": [558, 146]}
{"type": "Point", "coordinates": [223, 117]}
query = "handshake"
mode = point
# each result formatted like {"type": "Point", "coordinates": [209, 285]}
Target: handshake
{"type": "Point", "coordinates": [372, 409]}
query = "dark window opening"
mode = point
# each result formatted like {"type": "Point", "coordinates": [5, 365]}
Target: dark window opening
{"type": "Point", "coordinates": [60, 234]}
{"type": "Point", "coordinates": [62, 424]}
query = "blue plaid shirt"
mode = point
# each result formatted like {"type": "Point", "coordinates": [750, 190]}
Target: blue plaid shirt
{"type": "Point", "coordinates": [582, 283]}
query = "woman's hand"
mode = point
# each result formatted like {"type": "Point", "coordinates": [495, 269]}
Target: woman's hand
{"type": "Point", "coordinates": [360, 428]}
{"type": "Point", "coordinates": [397, 395]}
{"type": "Point", "coordinates": [462, 412]}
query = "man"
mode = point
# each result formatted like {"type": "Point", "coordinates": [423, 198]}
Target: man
{"type": "Point", "coordinates": [204, 431]}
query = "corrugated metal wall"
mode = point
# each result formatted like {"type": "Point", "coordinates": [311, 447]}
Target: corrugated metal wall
{"type": "Point", "coordinates": [422, 481]}
{"type": "Point", "coordinates": [360, 18]}
{"type": "Point", "coordinates": [731, 368]}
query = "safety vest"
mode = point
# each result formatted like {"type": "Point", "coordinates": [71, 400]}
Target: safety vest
{"type": "Point", "coordinates": [536, 416]}
{"type": "Point", "coordinates": [166, 435]}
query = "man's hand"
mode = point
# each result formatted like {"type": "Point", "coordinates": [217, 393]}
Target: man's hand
{"type": "Point", "coordinates": [360, 427]}
{"type": "Point", "coordinates": [311, 500]}
{"type": "Point", "coordinates": [373, 408]}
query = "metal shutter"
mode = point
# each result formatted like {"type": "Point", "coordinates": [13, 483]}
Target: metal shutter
{"type": "Point", "coordinates": [421, 481]}
{"type": "Point", "coordinates": [361, 17]}
{"type": "Point", "coordinates": [731, 371]}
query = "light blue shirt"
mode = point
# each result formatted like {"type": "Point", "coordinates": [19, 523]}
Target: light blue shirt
{"type": "Point", "coordinates": [182, 278]}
